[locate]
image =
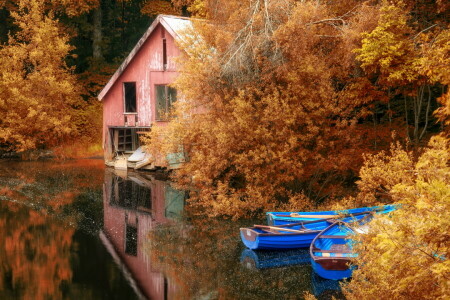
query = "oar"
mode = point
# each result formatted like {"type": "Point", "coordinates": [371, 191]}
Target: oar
{"type": "Point", "coordinates": [280, 229]}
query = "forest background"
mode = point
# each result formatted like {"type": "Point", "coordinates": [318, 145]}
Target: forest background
{"type": "Point", "coordinates": [287, 105]}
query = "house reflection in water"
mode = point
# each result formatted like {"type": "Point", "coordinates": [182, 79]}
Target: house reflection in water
{"type": "Point", "coordinates": [134, 204]}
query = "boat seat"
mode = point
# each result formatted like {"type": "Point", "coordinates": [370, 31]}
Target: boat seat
{"type": "Point", "coordinates": [335, 255]}
{"type": "Point", "coordinates": [333, 236]}
{"type": "Point", "coordinates": [339, 247]}
{"type": "Point", "coordinates": [332, 251]}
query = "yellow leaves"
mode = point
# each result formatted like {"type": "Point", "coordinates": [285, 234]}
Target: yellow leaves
{"type": "Point", "coordinates": [412, 241]}
{"type": "Point", "coordinates": [388, 50]}
{"type": "Point", "coordinates": [156, 7]}
{"type": "Point", "coordinates": [38, 88]}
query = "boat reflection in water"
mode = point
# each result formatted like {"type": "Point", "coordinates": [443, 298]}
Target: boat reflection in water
{"type": "Point", "coordinates": [274, 259]}
{"type": "Point", "coordinates": [325, 288]}
{"type": "Point", "coordinates": [321, 288]}
{"type": "Point", "coordinates": [133, 205]}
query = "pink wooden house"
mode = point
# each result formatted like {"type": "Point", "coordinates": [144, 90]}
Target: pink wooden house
{"type": "Point", "coordinates": [138, 95]}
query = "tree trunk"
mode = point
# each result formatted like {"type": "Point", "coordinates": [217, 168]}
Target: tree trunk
{"type": "Point", "coordinates": [97, 34]}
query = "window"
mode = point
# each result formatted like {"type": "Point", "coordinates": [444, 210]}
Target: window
{"type": "Point", "coordinates": [129, 91]}
{"type": "Point", "coordinates": [165, 97]}
{"type": "Point", "coordinates": [164, 54]}
{"type": "Point", "coordinates": [127, 139]}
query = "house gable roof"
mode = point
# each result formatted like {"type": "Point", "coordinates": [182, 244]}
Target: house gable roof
{"type": "Point", "coordinates": [174, 26]}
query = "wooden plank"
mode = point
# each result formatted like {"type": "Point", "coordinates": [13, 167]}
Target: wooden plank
{"type": "Point", "coordinates": [331, 251]}
{"type": "Point", "coordinates": [333, 236]}
{"type": "Point", "coordinates": [143, 163]}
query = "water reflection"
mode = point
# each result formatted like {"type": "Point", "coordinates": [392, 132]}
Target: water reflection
{"type": "Point", "coordinates": [133, 205]}
{"type": "Point", "coordinates": [166, 257]}
{"type": "Point", "coordinates": [274, 259]}
{"type": "Point", "coordinates": [321, 288]}
{"type": "Point", "coordinates": [75, 230]}
{"type": "Point", "coordinates": [50, 213]}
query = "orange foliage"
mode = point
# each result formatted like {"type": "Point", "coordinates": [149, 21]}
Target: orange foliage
{"type": "Point", "coordinates": [156, 7]}
{"type": "Point", "coordinates": [40, 101]}
{"type": "Point", "coordinates": [282, 98]}
{"type": "Point", "coordinates": [70, 7]}
{"type": "Point", "coordinates": [396, 56]}
{"type": "Point", "coordinates": [37, 89]}
{"type": "Point", "coordinates": [405, 255]}
{"type": "Point", "coordinates": [263, 113]}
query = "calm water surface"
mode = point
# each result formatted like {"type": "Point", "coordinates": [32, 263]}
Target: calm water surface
{"type": "Point", "coordinates": [78, 230]}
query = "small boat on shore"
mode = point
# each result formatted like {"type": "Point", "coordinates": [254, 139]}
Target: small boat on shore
{"type": "Point", "coordinates": [281, 218]}
{"type": "Point", "coordinates": [332, 251]}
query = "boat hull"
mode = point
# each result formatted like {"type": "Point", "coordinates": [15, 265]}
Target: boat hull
{"type": "Point", "coordinates": [331, 274]}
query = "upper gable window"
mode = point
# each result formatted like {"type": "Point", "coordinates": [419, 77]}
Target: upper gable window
{"type": "Point", "coordinates": [129, 91]}
{"type": "Point", "coordinates": [164, 54]}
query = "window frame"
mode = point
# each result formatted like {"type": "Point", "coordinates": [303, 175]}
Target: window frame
{"type": "Point", "coordinates": [167, 102]}
{"type": "Point", "coordinates": [165, 61]}
{"type": "Point", "coordinates": [125, 112]}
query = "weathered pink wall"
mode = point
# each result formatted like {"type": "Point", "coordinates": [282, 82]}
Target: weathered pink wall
{"type": "Point", "coordinates": [146, 69]}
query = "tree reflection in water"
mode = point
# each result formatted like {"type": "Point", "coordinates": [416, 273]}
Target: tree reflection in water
{"type": "Point", "coordinates": [50, 214]}
{"type": "Point", "coordinates": [45, 266]}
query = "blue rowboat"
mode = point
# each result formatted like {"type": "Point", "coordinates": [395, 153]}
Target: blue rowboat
{"type": "Point", "coordinates": [277, 238]}
{"type": "Point", "coordinates": [332, 252]}
{"type": "Point", "coordinates": [281, 218]}
{"type": "Point", "coordinates": [289, 236]}
{"type": "Point", "coordinates": [274, 259]}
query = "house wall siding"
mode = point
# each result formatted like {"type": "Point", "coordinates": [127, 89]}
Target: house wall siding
{"type": "Point", "coordinates": [146, 69]}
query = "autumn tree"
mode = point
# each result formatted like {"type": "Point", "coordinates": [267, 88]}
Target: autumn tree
{"type": "Point", "coordinates": [392, 55]}
{"type": "Point", "coordinates": [156, 7]}
{"type": "Point", "coordinates": [37, 89]}
{"type": "Point", "coordinates": [436, 60]}
{"type": "Point", "coordinates": [405, 255]}
{"type": "Point", "coordinates": [263, 113]}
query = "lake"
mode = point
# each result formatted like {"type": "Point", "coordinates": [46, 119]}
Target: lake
{"type": "Point", "coordinates": [79, 230]}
